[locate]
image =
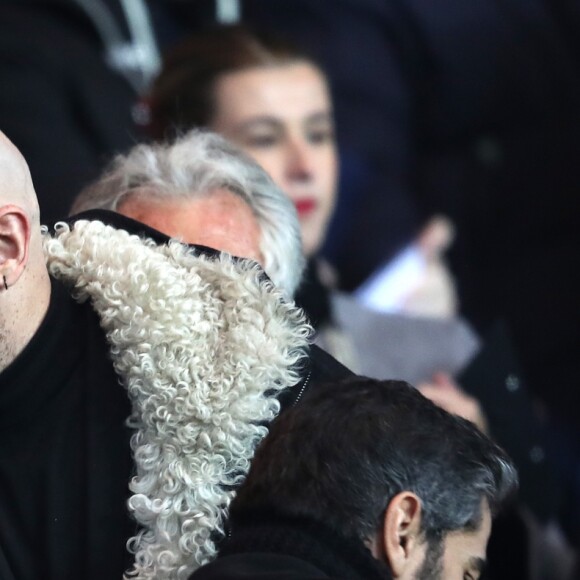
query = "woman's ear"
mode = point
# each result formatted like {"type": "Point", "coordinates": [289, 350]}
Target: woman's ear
{"type": "Point", "coordinates": [403, 544]}
{"type": "Point", "coordinates": [15, 230]}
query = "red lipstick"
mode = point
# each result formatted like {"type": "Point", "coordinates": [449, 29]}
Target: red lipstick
{"type": "Point", "coordinates": [305, 206]}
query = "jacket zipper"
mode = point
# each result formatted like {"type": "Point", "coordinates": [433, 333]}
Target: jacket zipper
{"type": "Point", "coordinates": [306, 381]}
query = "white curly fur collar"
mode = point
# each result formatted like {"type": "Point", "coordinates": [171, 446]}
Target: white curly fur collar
{"type": "Point", "coordinates": [201, 346]}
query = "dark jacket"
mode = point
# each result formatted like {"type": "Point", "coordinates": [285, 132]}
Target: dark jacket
{"type": "Point", "coordinates": [277, 548]}
{"type": "Point", "coordinates": [65, 457]}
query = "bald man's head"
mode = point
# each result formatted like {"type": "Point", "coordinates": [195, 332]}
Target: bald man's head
{"type": "Point", "coordinates": [16, 186]}
{"type": "Point", "coordinates": [24, 281]}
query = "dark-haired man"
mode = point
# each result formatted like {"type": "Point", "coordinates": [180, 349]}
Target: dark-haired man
{"type": "Point", "coordinates": [366, 479]}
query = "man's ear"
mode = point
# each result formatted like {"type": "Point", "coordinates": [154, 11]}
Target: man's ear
{"type": "Point", "coordinates": [15, 230]}
{"type": "Point", "coordinates": [403, 544]}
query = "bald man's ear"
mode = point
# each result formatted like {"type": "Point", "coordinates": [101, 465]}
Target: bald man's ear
{"type": "Point", "coordinates": [403, 543]}
{"type": "Point", "coordinates": [15, 229]}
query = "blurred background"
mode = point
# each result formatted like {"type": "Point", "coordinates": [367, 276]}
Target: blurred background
{"type": "Point", "coordinates": [463, 111]}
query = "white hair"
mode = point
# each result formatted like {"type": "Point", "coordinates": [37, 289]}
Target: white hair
{"type": "Point", "coordinates": [196, 165]}
{"type": "Point", "coordinates": [202, 346]}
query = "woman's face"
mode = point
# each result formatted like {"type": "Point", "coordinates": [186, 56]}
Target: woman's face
{"type": "Point", "coordinates": [282, 117]}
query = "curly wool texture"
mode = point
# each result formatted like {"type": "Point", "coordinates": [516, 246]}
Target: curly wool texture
{"type": "Point", "coordinates": [201, 345]}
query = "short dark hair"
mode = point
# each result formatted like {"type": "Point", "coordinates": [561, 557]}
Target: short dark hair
{"type": "Point", "coordinates": [345, 451]}
{"type": "Point", "coordinates": [183, 96]}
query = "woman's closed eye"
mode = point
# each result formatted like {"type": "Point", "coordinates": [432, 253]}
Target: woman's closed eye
{"type": "Point", "coordinates": [321, 136]}
{"type": "Point", "coordinates": [261, 140]}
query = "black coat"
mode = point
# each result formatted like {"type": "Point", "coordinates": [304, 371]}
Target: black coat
{"type": "Point", "coordinates": [65, 457]}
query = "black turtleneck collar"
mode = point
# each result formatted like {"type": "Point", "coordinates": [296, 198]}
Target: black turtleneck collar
{"type": "Point", "coordinates": [305, 539]}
